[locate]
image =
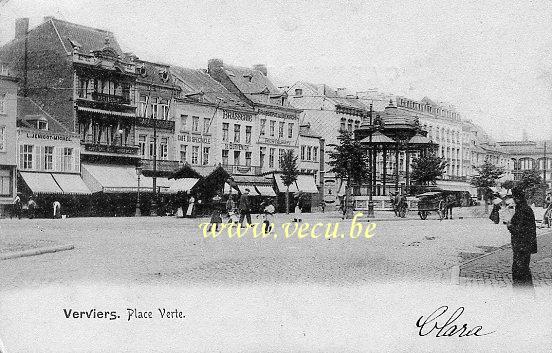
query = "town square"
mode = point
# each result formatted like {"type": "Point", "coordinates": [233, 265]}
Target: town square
{"type": "Point", "coordinates": [249, 176]}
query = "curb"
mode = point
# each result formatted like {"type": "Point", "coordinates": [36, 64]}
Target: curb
{"type": "Point", "coordinates": [34, 252]}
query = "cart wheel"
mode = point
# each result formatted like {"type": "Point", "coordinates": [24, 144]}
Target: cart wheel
{"type": "Point", "coordinates": [423, 214]}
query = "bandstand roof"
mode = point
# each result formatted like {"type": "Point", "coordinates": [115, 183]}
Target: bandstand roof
{"type": "Point", "coordinates": [378, 138]}
{"type": "Point", "coordinates": [419, 140]}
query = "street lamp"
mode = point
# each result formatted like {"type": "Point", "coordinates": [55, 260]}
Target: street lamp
{"type": "Point", "coordinates": [372, 170]}
{"type": "Point", "coordinates": [138, 173]}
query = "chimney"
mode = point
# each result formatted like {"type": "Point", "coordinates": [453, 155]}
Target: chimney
{"type": "Point", "coordinates": [261, 68]}
{"type": "Point", "coordinates": [21, 27]}
{"type": "Point", "coordinates": [341, 92]}
{"type": "Point", "coordinates": [214, 65]}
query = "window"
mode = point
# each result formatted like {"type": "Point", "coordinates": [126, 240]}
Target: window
{"type": "Point", "coordinates": [298, 92]}
{"type": "Point", "coordinates": [350, 125]}
{"type": "Point", "coordinates": [2, 138]}
{"type": "Point", "coordinates": [272, 127]}
{"type": "Point", "coordinates": [154, 107]}
{"type": "Point", "coordinates": [224, 157]}
{"type": "Point", "coordinates": [195, 154]}
{"type": "Point", "coordinates": [290, 130]}
{"type": "Point", "coordinates": [343, 122]}
{"type": "Point", "coordinates": [205, 155]}
{"type": "Point", "coordinates": [26, 156]}
{"type": "Point", "coordinates": [357, 124]}
{"type": "Point", "coordinates": [183, 122]}
{"type": "Point", "coordinates": [151, 147]}
{"type": "Point", "coordinates": [225, 127]}
{"type": "Point", "coordinates": [271, 157]}
{"type": "Point", "coordinates": [42, 125]}
{"type": "Point", "coordinates": [262, 154]}
{"type": "Point", "coordinates": [183, 150]}
{"type": "Point", "coordinates": [67, 161]}
{"type": "Point", "coordinates": [142, 145]}
{"type": "Point", "coordinates": [315, 154]}
{"type": "Point", "coordinates": [2, 103]}
{"type": "Point", "coordinates": [248, 134]}
{"type": "Point", "coordinates": [262, 128]}
{"type": "Point", "coordinates": [48, 157]}
{"type": "Point", "coordinates": [236, 157]}
{"type": "Point", "coordinates": [237, 133]}
{"type": "Point", "coordinates": [206, 125]}
{"type": "Point", "coordinates": [165, 111]}
{"type": "Point", "coordinates": [302, 153]}
{"type": "Point", "coordinates": [248, 159]}
{"type": "Point", "coordinates": [280, 156]}
{"type": "Point", "coordinates": [309, 153]}
{"type": "Point", "coordinates": [164, 148]}
{"type": "Point", "coordinates": [195, 123]}
{"type": "Point", "coordinates": [5, 182]}
{"type": "Point", "coordinates": [143, 106]}
{"type": "Point", "coordinates": [281, 130]}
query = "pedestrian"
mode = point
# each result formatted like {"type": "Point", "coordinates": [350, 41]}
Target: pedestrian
{"type": "Point", "coordinates": [230, 205]}
{"type": "Point", "coordinates": [244, 207]}
{"type": "Point", "coordinates": [216, 217]}
{"type": "Point", "coordinates": [31, 207]}
{"type": "Point", "coordinates": [548, 209]}
{"type": "Point", "coordinates": [450, 205]}
{"type": "Point", "coordinates": [298, 209]}
{"type": "Point", "coordinates": [323, 206]}
{"type": "Point", "coordinates": [495, 213]}
{"type": "Point", "coordinates": [17, 207]}
{"type": "Point", "coordinates": [524, 240]}
{"type": "Point", "coordinates": [191, 205]}
{"type": "Point", "coordinates": [57, 209]}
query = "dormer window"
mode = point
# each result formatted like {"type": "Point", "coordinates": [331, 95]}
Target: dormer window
{"type": "Point", "coordinates": [42, 125]}
{"type": "Point", "coordinates": [298, 92]}
{"type": "Point", "coordinates": [164, 75]}
{"type": "Point", "coordinates": [141, 71]}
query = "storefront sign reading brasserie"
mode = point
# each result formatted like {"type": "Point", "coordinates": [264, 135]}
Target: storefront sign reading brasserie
{"type": "Point", "coordinates": [279, 115]}
{"type": "Point", "coordinates": [228, 114]}
{"type": "Point", "coordinates": [191, 138]}
{"type": "Point", "coordinates": [236, 146]}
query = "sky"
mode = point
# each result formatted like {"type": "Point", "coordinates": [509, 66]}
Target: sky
{"type": "Point", "coordinates": [492, 60]}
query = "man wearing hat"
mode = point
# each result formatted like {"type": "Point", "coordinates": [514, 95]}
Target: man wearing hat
{"type": "Point", "coordinates": [245, 207]}
{"type": "Point", "coordinates": [524, 239]}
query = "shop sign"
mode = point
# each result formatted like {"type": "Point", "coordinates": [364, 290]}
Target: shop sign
{"type": "Point", "coordinates": [279, 114]}
{"type": "Point", "coordinates": [228, 114]}
{"type": "Point", "coordinates": [274, 141]}
{"type": "Point", "coordinates": [196, 139]}
{"type": "Point", "coordinates": [46, 136]}
{"type": "Point", "coordinates": [236, 146]}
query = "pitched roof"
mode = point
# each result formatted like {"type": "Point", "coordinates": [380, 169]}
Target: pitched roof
{"type": "Point", "coordinates": [153, 73]}
{"type": "Point", "coordinates": [332, 95]}
{"type": "Point", "coordinates": [306, 131]}
{"type": "Point", "coordinates": [208, 89]}
{"type": "Point", "coordinates": [87, 38]}
{"type": "Point", "coordinates": [27, 109]}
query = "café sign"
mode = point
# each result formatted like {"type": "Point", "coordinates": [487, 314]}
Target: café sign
{"type": "Point", "coordinates": [274, 141]}
{"type": "Point", "coordinates": [194, 139]}
{"type": "Point", "coordinates": [44, 136]}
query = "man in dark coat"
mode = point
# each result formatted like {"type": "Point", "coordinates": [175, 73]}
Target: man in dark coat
{"type": "Point", "coordinates": [245, 207]}
{"type": "Point", "coordinates": [522, 227]}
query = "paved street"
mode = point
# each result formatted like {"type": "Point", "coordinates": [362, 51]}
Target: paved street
{"type": "Point", "coordinates": [169, 250]}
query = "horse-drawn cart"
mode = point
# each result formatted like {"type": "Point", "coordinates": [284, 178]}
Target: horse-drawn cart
{"type": "Point", "coordinates": [431, 202]}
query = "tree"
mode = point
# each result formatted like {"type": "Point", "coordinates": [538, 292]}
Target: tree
{"type": "Point", "coordinates": [508, 184]}
{"type": "Point", "coordinates": [288, 165]}
{"type": "Point", "coordinates": [349, 162]}
{"type": "Point", "coordinates": [487, 175]}
{"type": "Point", "coordinates": [532, 184]}
{"type": "Point", "coordinates": [427, 169]}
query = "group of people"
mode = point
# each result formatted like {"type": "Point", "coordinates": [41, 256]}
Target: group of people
{"type": "Point", "coordinates": [32, 206]}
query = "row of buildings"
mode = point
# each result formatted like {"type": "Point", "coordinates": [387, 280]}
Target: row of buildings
{"type": "Point", "coordinates": [78, 116]}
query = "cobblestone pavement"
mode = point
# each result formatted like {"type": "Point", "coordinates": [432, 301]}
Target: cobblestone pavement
{"type": "Point", "coordinates": [495, 269]}
{"type": "Point", "coordinates": [169, 250]}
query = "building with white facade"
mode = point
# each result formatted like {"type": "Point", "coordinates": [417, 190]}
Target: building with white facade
{"type": "Point", "coordinates": [8, 146]}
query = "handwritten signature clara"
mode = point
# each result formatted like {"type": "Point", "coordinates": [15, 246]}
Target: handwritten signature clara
{"type": "Point", "coordinates": [435, 322]}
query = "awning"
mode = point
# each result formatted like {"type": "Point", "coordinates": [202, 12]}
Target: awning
{"type": "Point", "coordinates": [456, 186]}
{"type": "Point", "coordinates": [306, 184]}
{"type": "Point", "coordinates": [252, 190]}
{"type": "Point", "coordinates": [228, 189]}
{"type": "Point", "coordinates": [184, 184]}
{"type": "Point", "coordinates": [71, 184]}
{"type": "Point", "coordinates": [282, 187]}
{"type": "Point", "coordinates": [41, 183]}
{"type": "Point", "coordinates": [113, 178]}
{"type": "Point", "coordinates": [265, 190]}
{"type": "Point", "coordinates": [106, 112]}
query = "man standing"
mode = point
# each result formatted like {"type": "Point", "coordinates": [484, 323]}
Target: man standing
{"type": "Point", "coordinates": [245, 207]}
{"type": "Point", "coordinates": [524, 240]}
{"type": "Point", "coordinates": [57, 209]}
{"type": "Point", "coordinates": [17, 207]}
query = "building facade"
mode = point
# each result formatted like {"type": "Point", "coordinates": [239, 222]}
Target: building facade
{"type": "Point", "coordinates": [8, 138]}
{"type": "Point", "coordinates": [527, 155]}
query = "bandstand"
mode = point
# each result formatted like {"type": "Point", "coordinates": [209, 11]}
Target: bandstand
{"type": "Point", "coordinates": [391, 141]}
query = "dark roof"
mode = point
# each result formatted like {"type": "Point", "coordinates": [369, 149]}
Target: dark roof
{"type": "Point", "coordinates": [254, 85]}
{"type": "Point", "coordinates": [306, 131]}
{"type": "Point", "coordinates": [210, 91]}
{"type": "Point", "coordinates": [153, 73]}
{"type": "Point", "coordinates": [347, 102]}
{"type": "Point", "coordinates": [27, 110]}
{"type": "Point", "coordinates": [88, 39]}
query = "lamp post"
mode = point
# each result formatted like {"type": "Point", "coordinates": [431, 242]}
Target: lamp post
{"type": "Point", "coordinates": [372, 171]}
{"type": "Point", "coordinates": [138, 173]}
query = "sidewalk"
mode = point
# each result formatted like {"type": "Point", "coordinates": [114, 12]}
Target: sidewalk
{"type": "Point", "coordinates": [495, 269]}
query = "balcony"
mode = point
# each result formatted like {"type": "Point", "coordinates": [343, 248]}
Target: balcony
{"type": "Point", "coordinates": [161, 165]}
{"type": "Point", "coordinates": [126, 150]}
{"type": "Point", "coordinates": [159, 124]}
{"type": "Point", "coordinates": [110, 98]}
{"type": "Point", "coordinates": [242, 169]}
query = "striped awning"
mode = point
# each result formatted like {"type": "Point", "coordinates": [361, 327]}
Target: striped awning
{"type": "Point", "coordinates": [41, 183]}
{"type": "Point", "coordinates": [282, 187]}
{"type": "Point", "coordinates": [184, 184]}
{"type": "Point", "coordinates": [306, 184]}
{"type": "Point", "coordinates": [252, 190]}
{"type": "Point", "coordinates": [71, 184]}
{"type": "Point", "coordinates": [265, 190]}
{"type": "Point", "coordinates": [106, 112]}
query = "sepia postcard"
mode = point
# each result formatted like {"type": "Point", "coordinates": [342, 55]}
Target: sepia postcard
{"type": "Point", "coordinates": [275, 176]}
